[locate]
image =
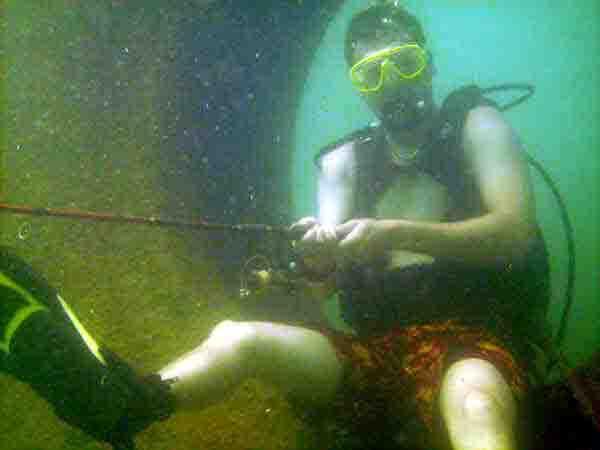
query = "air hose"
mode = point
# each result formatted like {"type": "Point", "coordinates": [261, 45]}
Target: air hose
{"type": "Point", "coordinates": [562, 207]}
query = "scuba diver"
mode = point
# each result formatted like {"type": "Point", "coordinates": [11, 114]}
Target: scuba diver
{"type": "Point", "coordinates": [426, 232]}
{"type": "Point", "coordinates": [43, 344]}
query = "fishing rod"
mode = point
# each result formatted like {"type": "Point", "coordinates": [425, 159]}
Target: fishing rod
{"type": "Point", "coordinates": [72, 213]}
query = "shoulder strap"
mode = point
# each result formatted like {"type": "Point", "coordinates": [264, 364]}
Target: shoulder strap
{"type": "Point", "coordinates": [445, 136]}
{"type": "Point", "coordinates": [365, 135]}
{"type": "Point", "coordinates": [456, 107]}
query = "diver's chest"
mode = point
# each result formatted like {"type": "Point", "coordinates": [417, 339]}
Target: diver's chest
{"type": "Point", "coordinates": [411, 195]}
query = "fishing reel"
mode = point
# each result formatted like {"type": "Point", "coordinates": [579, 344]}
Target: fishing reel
{"type": "Point", "coordinates": [259, 273]}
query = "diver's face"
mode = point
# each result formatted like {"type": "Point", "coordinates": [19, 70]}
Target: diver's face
{"type": "Point", "coordinates": [401, 104]}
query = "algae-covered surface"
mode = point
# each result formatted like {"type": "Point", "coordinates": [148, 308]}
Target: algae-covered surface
{"type": "Point", "coordinates": [91, 119]}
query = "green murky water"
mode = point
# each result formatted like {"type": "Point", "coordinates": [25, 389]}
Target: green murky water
{"type": "Point", "coordinates": [95, 104]}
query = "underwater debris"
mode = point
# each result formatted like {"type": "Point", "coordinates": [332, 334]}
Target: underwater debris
{"type": "Point", "coordinates": [24, 231]}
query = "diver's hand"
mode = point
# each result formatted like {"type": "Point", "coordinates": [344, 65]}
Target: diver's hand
{"type": "Point", "coordinates": [317, 244]}
{"type": "Point", "coordinates": [313, 233]}
{"type": "Point", "coordinates": [360, 239]}
{"type": "Point", "coordinates": [301, 226]}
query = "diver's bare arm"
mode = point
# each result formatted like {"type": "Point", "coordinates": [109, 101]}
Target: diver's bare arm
{"type": "Point", "coordinates": [507, 226]}
{"type": "Point", "coordinates": [335, 197]}
{"type": "Point", "coordinates": [336, 187]}
{"type": "Point", "coordinates": [483, 240]}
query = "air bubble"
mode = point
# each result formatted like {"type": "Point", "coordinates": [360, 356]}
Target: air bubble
{"type": "Point", "coordinates": [24, 231]}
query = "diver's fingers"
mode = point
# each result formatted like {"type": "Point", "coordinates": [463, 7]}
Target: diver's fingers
{"type": "Point", "coordinates": [352, 239]}
{"type": "Point", "coordinates": [318, 236]}
{"type": "Point", "coordinates": [345, 228]}
{"type": "Point", "coordinates": [326, 234]}
{"type": "Point", "coordinates": [311, 236]}
{"type": "Point", "coordinates": [303, 225]}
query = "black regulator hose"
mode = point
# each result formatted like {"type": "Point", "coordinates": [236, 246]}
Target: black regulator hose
{"type": "Point", "coordinates": [528, 88]}
{"type": "Point", "coordinates": [569, 234]}
{"type": "Point", "coordinates": [562, 207]}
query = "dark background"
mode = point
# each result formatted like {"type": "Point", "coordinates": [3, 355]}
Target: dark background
{"type": "Point", "coordinates": [239, 71]}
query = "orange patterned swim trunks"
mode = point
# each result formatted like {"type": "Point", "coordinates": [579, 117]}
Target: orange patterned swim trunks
{"type": "Point", "coordinates": [392, 381]}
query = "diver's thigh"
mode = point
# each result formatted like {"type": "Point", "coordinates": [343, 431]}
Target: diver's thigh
{"type": "Point", "coordinates": [301, 361]}
{"type": "Point", "coordinates": [478, 406]}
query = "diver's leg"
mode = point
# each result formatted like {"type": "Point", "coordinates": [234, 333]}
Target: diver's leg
{"type": "Point", "coordinates": [478, 407]}
{"type": "Point", "coordinates": [301, 362]}
{"type": "Point", "coordinates": [43, 344]}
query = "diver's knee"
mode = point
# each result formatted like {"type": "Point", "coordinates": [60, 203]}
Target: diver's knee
{"type": "Point", "coordinates": [229, 329]}
{"type": "Point", "coordinates": [479, 406]}
{"type": "Point", "coordinates": [229, 332]}
{"type": "Point", "coordinates": [478, 390]}
{"type": "Point", "coordinates": [464, 376]}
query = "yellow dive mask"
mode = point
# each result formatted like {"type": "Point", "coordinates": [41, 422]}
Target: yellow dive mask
{"type": "Point", "coordinates": [405, 62]}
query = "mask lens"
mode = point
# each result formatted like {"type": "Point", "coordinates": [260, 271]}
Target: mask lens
{"type": "Point", "coordinates": [409, 62]}
{"type": "Point", "coordinates": [369, 74]}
